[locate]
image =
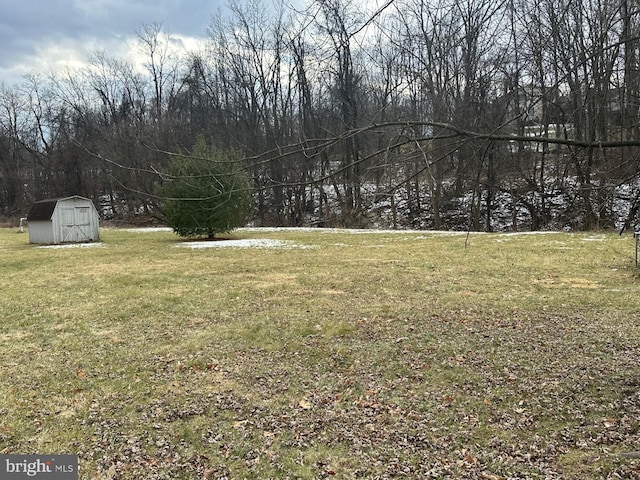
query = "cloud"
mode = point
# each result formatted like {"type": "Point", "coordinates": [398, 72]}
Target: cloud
{"type": "Point", "coordinates": [41, 36]}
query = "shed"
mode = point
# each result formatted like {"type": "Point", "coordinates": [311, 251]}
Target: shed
{"type": "Point", "coordinates": [63, 220]}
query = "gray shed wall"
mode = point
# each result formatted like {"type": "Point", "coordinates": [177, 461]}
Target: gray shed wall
{"type": "Point", "coordinates": [74, 220]}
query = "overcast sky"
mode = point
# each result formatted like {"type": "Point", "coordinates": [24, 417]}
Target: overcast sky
{"type": "Point", "coordinates": [40, 35]}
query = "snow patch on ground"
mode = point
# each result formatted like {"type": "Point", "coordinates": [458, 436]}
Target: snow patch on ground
{"type": "Point", "coordinates": [598, 238]}
{"type": "Point", "coordinates": [537, 232]}
{"type": "Point", "coordinates": [355, 231]}
{"type": "Point", "coordinates": [148, 229]}
{"type": "Point", "coordinates": [352, 231]}
{"type": "Point", "coordinates": [245, 243]}
{"type": "Point", "coordinates": [73, 245]}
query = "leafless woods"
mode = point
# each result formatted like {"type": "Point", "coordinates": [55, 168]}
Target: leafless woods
{"type": "Point", "coordinates": [437, 114]}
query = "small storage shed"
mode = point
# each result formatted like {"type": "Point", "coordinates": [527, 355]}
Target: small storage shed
{"type": "Point", "coordinates": [63, 220]}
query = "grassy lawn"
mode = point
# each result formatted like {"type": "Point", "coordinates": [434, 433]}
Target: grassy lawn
{"type": "Point", "coordinates": [336, 354]}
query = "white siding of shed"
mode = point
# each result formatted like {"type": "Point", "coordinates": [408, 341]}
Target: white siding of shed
{"type": "Point", "coordinates": [74, 220]}
{"type": "Point", "coordinates": [41, 232]}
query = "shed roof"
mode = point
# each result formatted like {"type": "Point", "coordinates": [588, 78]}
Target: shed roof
{"type": "Point", "coordinates": [43, 209]}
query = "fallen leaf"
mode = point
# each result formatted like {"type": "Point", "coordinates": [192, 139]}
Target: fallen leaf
{"type": "Point", "coordinates": [490, 476]}
{"type": "Point", "coordinates": [240, 423]}
{"type": "Point", "coordinates": [448, 399]}
{"type": "Point", "coordinates": [470, 459]}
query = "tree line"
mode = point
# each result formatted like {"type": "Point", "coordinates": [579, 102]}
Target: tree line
{"type": "Point", "coordinates": [519, 114]}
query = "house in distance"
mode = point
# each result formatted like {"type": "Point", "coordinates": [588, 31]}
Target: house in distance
{"type": "Point", "coordinates": [63, 220]}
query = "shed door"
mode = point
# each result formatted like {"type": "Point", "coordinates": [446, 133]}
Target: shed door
{"type": "Point", "coordinates": [76, 224]}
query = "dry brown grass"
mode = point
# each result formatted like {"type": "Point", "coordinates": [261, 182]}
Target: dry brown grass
{"type": "Point", "coordinates": [371, 355]}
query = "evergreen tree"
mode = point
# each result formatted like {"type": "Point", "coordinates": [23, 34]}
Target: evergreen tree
{"type": "Point", "coordinates": [205, 193]}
